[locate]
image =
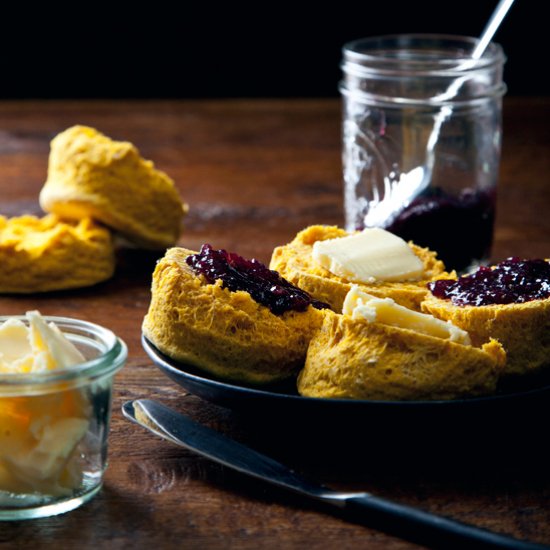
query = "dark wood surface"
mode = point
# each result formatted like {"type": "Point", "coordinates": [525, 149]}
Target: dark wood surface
{"type": "Point", "coordinates": [254, 173]}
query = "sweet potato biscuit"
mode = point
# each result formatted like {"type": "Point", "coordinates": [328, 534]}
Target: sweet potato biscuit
{"type": "Point", "coordinates": [352, 358]}
{"type": "Point", "coordinates": [522, 329]}
{"type": "Point", "coordinates": [90, 175]}
{"type": "Point", "coordinates": [295, 263]}
{"type": "Point", "coordinates": [45, 254]}
{"type": "Point", "coordinates": [225, 333]}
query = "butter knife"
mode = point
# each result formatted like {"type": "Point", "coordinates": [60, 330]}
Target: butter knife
{"type": "Point", "coordinates": [396, 519]}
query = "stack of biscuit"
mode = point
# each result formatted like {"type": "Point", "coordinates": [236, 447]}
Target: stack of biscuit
{"type": "Point", "coordinates": [96, 188]}
{"type": "Point", "coordinates": [416, 352]}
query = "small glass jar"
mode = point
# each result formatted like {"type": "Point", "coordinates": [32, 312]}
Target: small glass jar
{"type": "Point", "coordinates": [54, 426]}
{"type": "Point", "coordinates": [421, 141]}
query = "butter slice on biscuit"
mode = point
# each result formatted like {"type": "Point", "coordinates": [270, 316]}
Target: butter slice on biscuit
{"type": "Point", "coordinates": [295, 262]}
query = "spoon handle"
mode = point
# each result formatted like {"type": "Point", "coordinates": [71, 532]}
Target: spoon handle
{"type": "Point", "coordinates": [492, 25]}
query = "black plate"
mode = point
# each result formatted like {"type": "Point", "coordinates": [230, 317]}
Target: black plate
{"type": "Point", "coordinates": [510, 405]}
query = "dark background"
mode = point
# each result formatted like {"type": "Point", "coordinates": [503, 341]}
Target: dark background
{"type": "Point", "coordinates": [187, 50]}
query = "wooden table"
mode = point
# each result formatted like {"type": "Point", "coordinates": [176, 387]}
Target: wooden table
{"type": "Point", "coordinates": [254, 173]}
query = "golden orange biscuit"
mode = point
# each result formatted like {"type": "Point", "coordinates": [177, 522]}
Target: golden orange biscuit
{"type": "Point", "coordinates": [357, 359]}
{"type": "Point", "coordinates": [225, 333]}
{"type": "Point", "coordinates": [45, 254]}
{"type": "Point", "coordinates": [523, 329]}
{"type": "Point", "coordinates": [90, 175]}
{"type": "Point", "coordinates": [295, 263]}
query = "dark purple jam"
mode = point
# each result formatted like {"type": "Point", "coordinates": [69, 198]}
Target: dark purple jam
{"type": "Point", "coordinates": [265, 285]}
{"type": "Point", "coordinates": [512, 281]}
{"type": "Point", "coordinates": [459, 229]}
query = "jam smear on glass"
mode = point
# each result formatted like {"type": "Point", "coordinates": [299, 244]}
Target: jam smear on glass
{"type": "Point", "coordinates": [512, 281]}
{"type": "Point", "coordinates": [459, 228]}
{"type": "Point", "coordinates": [265, 285]}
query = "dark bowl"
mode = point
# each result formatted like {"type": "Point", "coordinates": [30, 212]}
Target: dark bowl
{"type": "Point", "coordinates": [521, 406]}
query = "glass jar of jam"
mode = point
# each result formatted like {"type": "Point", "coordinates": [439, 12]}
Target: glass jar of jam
{"type": "Point", "coordinates": [421, 141]}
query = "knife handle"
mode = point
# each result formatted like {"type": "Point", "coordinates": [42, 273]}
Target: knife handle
{"type": "Point", "coordinates": [429, 529]}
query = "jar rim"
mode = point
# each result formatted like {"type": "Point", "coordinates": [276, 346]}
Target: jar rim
{"type": "Point", "coordinates": [361, 96]}
{"type": "Point", "coordinates": [105, 363]}
{"type": "Point", "coordinates": [429, 52]}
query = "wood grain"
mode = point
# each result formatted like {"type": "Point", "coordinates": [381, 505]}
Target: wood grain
{"type": "Point", "coordinates": [254, 173]}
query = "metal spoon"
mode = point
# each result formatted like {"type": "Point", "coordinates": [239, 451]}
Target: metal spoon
{"type": "Point", "coordinates": [399, 193]}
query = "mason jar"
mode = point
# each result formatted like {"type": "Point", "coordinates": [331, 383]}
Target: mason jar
{"type": "Point", "coordinates": [422, 135]}
{"type": "Point", "coordinates": [54, 426]}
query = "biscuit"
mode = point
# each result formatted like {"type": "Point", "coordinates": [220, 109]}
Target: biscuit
{"type": "Point", "coordinates": [45, 254]}
{"type": "Point", "coordinates": [90, 175]}
{"type": "Point", "coordinates": [523, 329]}
{"type": "Point", "coordinates": [295, 263]}
{"type": "Point", "coordinates": [356, 359]}
{"type": "Point", "coordinates": [225, 333]}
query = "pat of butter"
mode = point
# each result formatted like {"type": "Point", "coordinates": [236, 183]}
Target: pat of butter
{"type": "Point", "coordinates": [39, 439]}
{"type": "Point", "coordinates": [372, 255]}
{"type": "Point", "coordinates": [360, 305]}
{"type": "Point", "coordinates": [58, 352]}
{"type": "Point", "coordinates": [41, 347]}
{"type": "Point", "coordinates": [40, 433]}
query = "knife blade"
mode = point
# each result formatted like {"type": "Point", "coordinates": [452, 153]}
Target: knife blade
{"type": "Point", "coordinates": [401, 520]}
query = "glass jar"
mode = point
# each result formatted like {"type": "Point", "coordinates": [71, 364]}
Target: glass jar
{"type": "Point", "coordinates": [54, 426]}
{"type": "Point", "coordinates": [421, 141]}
